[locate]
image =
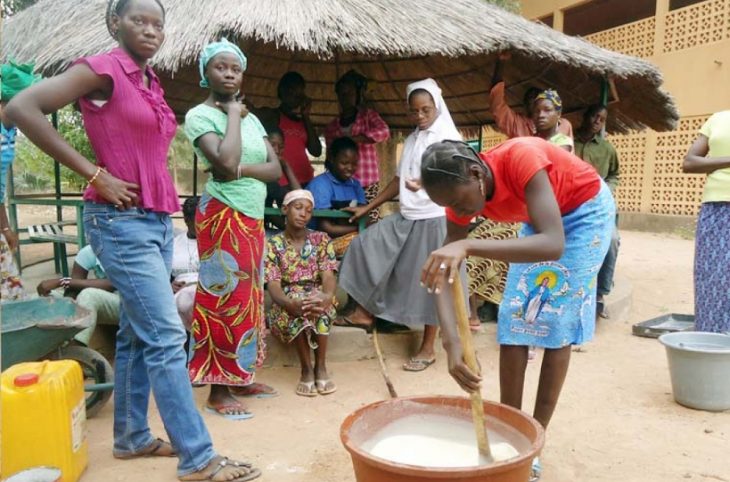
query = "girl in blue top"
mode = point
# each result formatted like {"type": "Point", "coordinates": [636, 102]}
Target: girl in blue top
{"type": "Point", "coordinates": [337, 188]}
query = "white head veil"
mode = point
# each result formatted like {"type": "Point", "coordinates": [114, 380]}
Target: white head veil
{"type": "Point", "coordinates": [443, 125]}
{"type": "Point", "coordinates": [417, 205]}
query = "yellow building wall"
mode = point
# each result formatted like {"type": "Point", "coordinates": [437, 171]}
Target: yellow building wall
{"type": "Point", "coordinates": [691, 47]}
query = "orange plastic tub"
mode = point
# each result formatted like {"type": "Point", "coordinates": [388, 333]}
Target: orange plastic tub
{"type": "Point", "coordinates": [367, 421]}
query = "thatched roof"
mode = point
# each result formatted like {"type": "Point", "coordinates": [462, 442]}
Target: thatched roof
{"type": "Point", "coordinates": [391, 41]}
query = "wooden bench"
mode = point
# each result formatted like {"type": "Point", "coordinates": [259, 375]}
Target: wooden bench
{"type": "Point", "coordinates": [50, 232]}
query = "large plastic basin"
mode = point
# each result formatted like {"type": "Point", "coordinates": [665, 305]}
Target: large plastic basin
{"type": "Point", "coordinates": [365, 422]}
{"type": "Point", "coordinates": [699, 366]}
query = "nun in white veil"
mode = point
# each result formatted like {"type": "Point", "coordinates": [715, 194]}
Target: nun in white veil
{"type": "Point", "coordinates": [380, 270]}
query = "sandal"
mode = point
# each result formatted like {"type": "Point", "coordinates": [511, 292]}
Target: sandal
{"type": "Point", "coordinates": [222, 410]}
{"type": "Point", "coordinates": [475, 325]}
{"type": "Point", "coordinates": [152, 450]}
{"type": "Point", "coordinates": [322, 386]}
{"type": "Point", "coordinates": [306, 389]}
{"type": "Point", "coordinates": [254, 390]}
{"type": "Point", "coordinates": [418, 364]}
{"type": "Point", "coordinates": [348, 323]}
{"type": "Point", "coordinates": [251, 472]}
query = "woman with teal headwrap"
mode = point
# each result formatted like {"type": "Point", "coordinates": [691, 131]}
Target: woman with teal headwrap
{"type": "Point", "coordinates": [228, 322]}
{"type": "Point", "coordinates": [15, 77]}
{"type": "Point", "coordinates": [546, 110]}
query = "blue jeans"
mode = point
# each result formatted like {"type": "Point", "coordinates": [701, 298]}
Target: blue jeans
{"type": "Point", "coordinates": [135, 248]}
{"type": "Point", "coordinates": [605, 275]}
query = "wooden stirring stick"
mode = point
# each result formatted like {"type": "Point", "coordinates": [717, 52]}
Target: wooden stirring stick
{"type": "Point", "coordinates": [467, 346]}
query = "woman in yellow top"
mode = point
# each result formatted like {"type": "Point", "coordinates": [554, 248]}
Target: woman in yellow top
{"type": "Point", "coordinates": [710, 154]}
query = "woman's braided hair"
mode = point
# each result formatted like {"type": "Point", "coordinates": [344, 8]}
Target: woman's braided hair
{"type": "Point", "coordinates": [115, 8]}
{"type": "Point", "coordinates": [447, 163]}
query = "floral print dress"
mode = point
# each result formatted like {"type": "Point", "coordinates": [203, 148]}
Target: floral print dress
{"type": "Point", "coordinates": [300, 275]}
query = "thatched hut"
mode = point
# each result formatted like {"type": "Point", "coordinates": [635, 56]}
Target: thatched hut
{"type": "Point", "coordinates": [391, 41]}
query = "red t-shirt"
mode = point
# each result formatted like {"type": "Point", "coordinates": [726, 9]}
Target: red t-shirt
{"type": "Point", "coordinates": [514, 162]}
{"type": "Point", "coordinates": [295, 150]}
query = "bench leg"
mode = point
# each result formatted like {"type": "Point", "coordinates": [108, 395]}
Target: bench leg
{"type": "Point", "coordinates": [64, 259]}
{"type": "Point", "coordinates": [56, 258]}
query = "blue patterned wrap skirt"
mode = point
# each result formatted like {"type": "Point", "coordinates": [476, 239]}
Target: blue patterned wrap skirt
{"type": "Point", "coordinates": [552, 304]}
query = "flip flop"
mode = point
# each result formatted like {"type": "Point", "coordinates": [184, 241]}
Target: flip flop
{"type": "Point", "coordinates": [152, 450]}
{"type": "Point", "coordinates": [418, 364]}
{"type": "Point", "coordinates": [253, 473]}
{"type": "Point", "coordinates": [306, 389]}
{"type": "Point", "coordinates": [475, 325]}
{"type": "Point", "coordinates": [221, 410]}
{"type": "Point", "coordinates": [322, 386]}
{"type": "Point", "coordinates": [348, 323]}
{"type": "Point", "coordinates": [254, 390]}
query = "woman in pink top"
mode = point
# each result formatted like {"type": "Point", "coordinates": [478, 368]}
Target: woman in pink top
{"type": "Point", "coordinates": [127, 219]}
{"type": "Point", "coordinates": [363, 125]}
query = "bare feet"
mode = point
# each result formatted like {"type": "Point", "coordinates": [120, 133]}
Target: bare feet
{"type": "Point", "coordinates": [223, 469]}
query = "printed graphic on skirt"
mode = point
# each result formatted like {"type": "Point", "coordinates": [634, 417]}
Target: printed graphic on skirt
{"type": "Point", "coordinates": [541, 290]}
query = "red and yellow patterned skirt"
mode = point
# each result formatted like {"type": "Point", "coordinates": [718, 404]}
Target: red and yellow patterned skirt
{"type": "Point", "coordinates": [228, 323]}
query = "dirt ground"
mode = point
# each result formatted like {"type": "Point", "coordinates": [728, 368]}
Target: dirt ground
{"type": "Point", "coordinates": [616, 420]}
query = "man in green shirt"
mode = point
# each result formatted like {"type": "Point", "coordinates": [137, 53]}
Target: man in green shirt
{"type": "Point", "coordinates": [592, 147]}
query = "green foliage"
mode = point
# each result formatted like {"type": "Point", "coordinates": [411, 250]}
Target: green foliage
{"type": "Point", "coordinates": [28, 182]}
{"type": "Point", "coordinates": [30, 160]}
{"type": "Point", "coordinates": [33, 169]}
{"type": "Point", "coordinates": [181, 151]}
{"type": "Point", "coordinates": [510, 5]}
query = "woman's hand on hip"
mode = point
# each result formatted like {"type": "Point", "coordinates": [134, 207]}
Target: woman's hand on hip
{"type": "Point", "coordinates": [119, 193]}
{"type": "Point", "coordinates": [443, 264]}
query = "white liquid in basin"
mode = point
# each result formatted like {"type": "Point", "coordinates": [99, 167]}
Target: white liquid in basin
{"type": "Point", "coordinates": [434, 441]}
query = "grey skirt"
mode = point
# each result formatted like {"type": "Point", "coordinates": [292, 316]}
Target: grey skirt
{"type": "Point", "coordinates": [382, 268]}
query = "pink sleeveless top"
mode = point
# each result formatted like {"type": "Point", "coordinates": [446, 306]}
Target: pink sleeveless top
{"type": "Point", "coordinates": [132, 131]}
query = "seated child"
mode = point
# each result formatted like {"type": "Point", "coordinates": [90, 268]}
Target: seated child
{"type": "Point", "coordinates": [336, 188]}
{"type": "Point", "coordinates": [300, 271]}
{"type": "Point", "coordinates": [97, 294]}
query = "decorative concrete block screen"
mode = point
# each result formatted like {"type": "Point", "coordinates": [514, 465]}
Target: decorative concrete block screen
{"type": "Point", "coordinates": [632, 163]}
{"type": "Point", "coordinates": [698, 24]}
{"type": "Point", "coordinates": [672, 191]}
{"type": "Point", "coordinates": [652, 180]}
{"type": "Point", "coordinates": [636, 38]}
{"type": "Point", "coordinates": [491, 138]}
